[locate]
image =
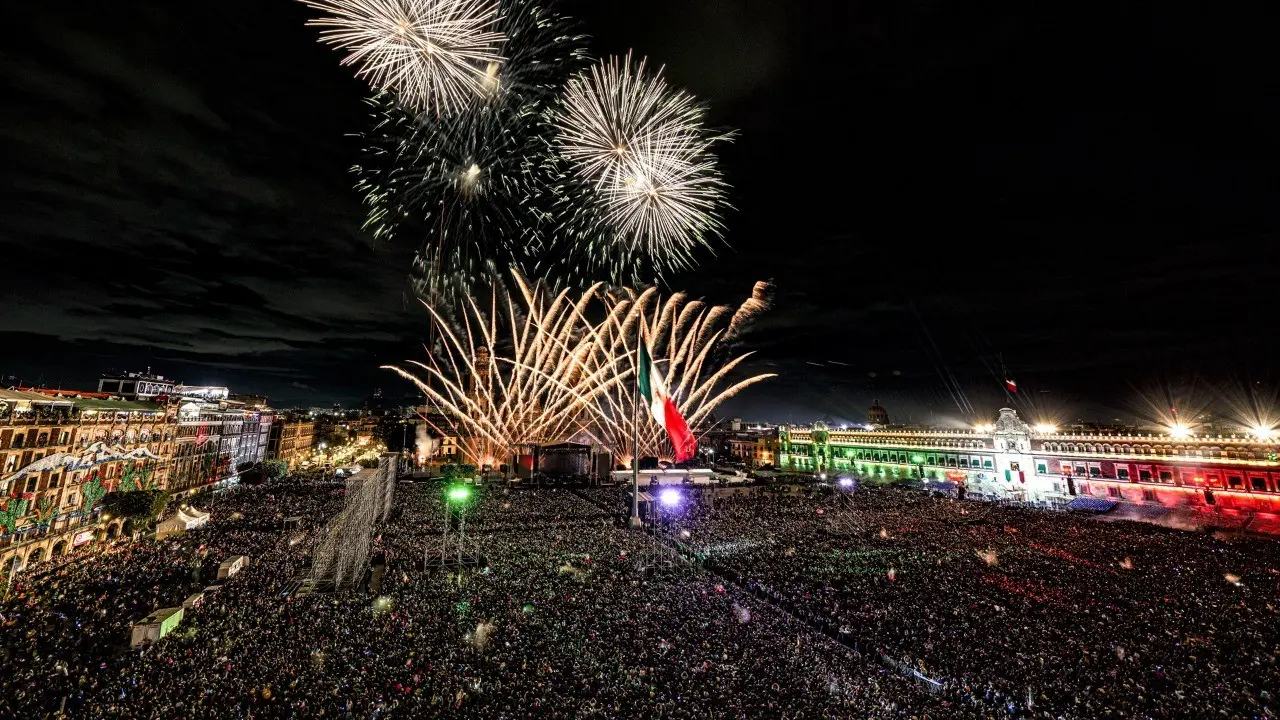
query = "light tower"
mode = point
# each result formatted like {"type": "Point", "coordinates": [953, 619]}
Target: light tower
{"type": "Point", "coordinates": [456, 549]}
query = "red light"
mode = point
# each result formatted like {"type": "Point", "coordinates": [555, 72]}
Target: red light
{"type": "Point", "coordinates": [1199, 481]}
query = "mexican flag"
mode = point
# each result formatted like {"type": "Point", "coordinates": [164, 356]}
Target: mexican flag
{"type": "Point", "coordinates": [663, 408]}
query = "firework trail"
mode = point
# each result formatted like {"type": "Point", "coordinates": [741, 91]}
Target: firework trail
{"type": "Point", "coordinates": [512, 375]}
{"type": "Point", "coordinates": [687, 336]}
{"type": "Point", "coordinates": [434, 55]}
{"type": "Point", "coordinates": [751, 308]}
{"type": "Point", "coordinates": [533, 367]}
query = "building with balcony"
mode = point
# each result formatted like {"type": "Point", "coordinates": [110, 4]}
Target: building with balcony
{"type": "Point", "coordinates": [60, 452]}
{"type": "Point", "coordinates": [737, 443]}
{"type": "Point", "coordinates": [216, 440]}
{"type": "Point", "coordinates": [292, 439]}
{"type": "Point", "coordinates": [1229, 474]}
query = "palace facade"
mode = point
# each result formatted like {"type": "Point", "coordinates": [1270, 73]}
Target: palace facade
{"type": "Point", "coordinates": [1231, 473]}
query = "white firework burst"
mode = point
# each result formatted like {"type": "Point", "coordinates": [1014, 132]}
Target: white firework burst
{"type": "Point", "coordinates": [433, 54]}
{"type": "Point", "coordinates": [643, 155]}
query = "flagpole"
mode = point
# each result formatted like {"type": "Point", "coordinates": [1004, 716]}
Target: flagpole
{"type": "Point", "coordinates": [635, 433]}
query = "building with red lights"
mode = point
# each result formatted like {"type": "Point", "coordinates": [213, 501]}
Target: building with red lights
{"type": "Point", "coordinates": [1225, 479]}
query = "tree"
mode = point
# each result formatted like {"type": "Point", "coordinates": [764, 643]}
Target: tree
{"type": "Point", "coordinates": [275, 469]}
{"type": "Point", "coordinates": [141, 505]}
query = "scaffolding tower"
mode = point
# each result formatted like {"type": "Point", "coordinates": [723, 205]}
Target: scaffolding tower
{"type": "Point", "coordinates": [342, 554]}
{"type": "Point", "coordinates": [457, 549]}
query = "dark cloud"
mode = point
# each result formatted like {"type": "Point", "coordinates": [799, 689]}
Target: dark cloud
{"type": "Point", "coordinates": [937, 189]}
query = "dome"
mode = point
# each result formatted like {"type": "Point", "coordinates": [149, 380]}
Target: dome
{"type": "Point", "coordinates": [877, 415]}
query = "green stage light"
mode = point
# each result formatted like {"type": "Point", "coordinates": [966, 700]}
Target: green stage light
{"type": "Point", "coordinates": [459, 494]}
{"type": "Point", "coordinates": [917, 459]}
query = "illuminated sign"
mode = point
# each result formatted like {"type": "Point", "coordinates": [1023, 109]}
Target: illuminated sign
{"type": "Point", "coordinates": [81, 538]}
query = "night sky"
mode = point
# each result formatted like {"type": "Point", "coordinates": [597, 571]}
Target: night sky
{"type": "Point", "coordinates": [1088, 199]}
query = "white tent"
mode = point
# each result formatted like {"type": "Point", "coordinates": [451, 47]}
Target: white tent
{"type": "Point", "coordinates": [155, 626]}
{"type": "Point", "coordinates": [231, 566]}
{"type": "Point", "coordinates": [183, 520]}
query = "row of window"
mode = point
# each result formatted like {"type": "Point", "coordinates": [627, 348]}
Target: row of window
{"type": "Point", "coordinates": [976, 462]}
{"type": "Point", "coordinates": [56, 437]}
{"type": "Point", "coordinates": [1211, 451]}
{"type": "Point", "coordinates": [1196, 477]}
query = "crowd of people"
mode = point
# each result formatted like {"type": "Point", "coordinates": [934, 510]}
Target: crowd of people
{"type": "Point", "coordinates": [66, 621]}
{"type": "Point", "coordinates": [944, 609]}
{"type": "Point", "coordinates": [1011, 607]}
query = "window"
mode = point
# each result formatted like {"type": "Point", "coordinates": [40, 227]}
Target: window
{"type": "Point", "coordinates": [986, 463]}
{"type": "Point", "coordinates": [964, 462]}
{"type": "Point", "coordinates": [71, 499]}
{"type": "Point", "coordinates": [1042, 468]}
{"type": "Point", "coordinates": [1122, 473]}
{"type": "Point", "coordinates": [951, 462]}
{"type": "Point", "coordinates": [1144, 475]}
{"type": "Point", "coordinates": [1235, 481]}
{"type": "Point", "coordinates": [1079, 469]}
{"type": "Point", "coordinates": [1259, 483]}
{"type": "Point", "coordinates": [1113, 491]}
{"type": "Point", "coordinates": [933, 459]}
{"type": "Point", "coordinates": [31, 484]}
{"type": "Point", "coordinates": [1095, 471]}
{"type": "Point", "coordinates": [1057, 487]}
{"type": "Point", "coordinates": [54, 480]}
{"type": "Point", "coordinates": [1149, 495]}
{"type": "Point", "coordinates": [1166, 476]}
{"type": "Point", "coordinates": [17, 440]}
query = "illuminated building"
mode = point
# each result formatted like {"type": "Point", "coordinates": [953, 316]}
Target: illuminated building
{"type": "Point", "coordinates": [136, 386]}
{"type": "Point", "coordinates": [738, 443]}
{"type": "Point", "coordinates": [1043, 465]}
{"type": "Point", "coordinates": [55, 442]}
{"type": "Point", "coordinates": [216, 440]}
{"type": "Point", "coordinates": [292, 439]}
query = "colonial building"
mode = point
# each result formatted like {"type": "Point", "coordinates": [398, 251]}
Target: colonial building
{"type": "Point", "coordinates": [1011, 460]}
{"type": "Point", "coordinates": [60, 453]}
{"type": "Point", "coordinates": [739, 443]}
{"type": "Point", "coordinates": [292, 439]}
{"type": "Point", "coordinates": [215, 441]}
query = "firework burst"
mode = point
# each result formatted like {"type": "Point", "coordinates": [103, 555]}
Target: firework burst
{"type": "Point", "coordinates": [646, 184]}
{"type": "Point", "coordinates": [513, 374]}
{"type": "Point", "coordinates": [533, 367]}
{"type": "Point", "coordinates": [434, 55]}
{"type": "Point", "coordinates": [466, 188]}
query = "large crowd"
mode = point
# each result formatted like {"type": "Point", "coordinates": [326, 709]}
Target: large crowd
{"type": "Point", "coordinates": [943, 609]}
{"type": "Point", "coordinates": [1015, 608]}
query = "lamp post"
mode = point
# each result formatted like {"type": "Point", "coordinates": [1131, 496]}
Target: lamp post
{"type": "Point", "coordinates": [919, 461]}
